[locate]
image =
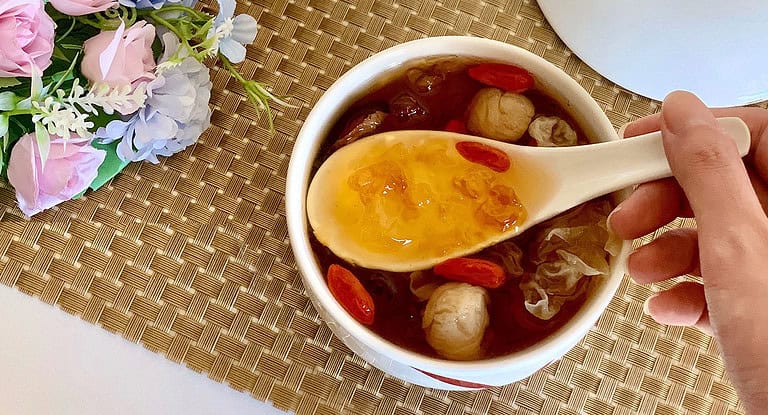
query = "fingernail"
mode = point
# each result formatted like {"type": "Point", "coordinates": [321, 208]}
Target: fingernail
{"type": "Point", "coordinates": [629, 262]}
{"type": "Point", "coordinates": [646, 308]}
{"type": "Point", "coordinates": [623, 128]}
{"type": "Point", "coordinates": [683, 110]}
{"type": "Point", "coordinates": [608, 220]}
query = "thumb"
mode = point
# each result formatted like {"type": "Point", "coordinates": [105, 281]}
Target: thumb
{"type": "Point", "coordinates": [706, 163]}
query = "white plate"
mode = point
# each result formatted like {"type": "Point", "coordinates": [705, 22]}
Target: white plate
{"type": "Point", "coordinates": [716, 49]}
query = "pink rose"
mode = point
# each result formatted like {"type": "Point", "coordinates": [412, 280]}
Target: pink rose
{"type": "Point", "coordinates": [27, 37]}
{"type": "Point", "coordinates": [120, 57]}
{"type": "Point", "coordinates": [69, 169]}
{"type": "Point", "coordinates": [82, 7]}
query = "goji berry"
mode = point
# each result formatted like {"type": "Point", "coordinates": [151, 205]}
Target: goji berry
{"type": "Point", "coordinates": [488, 156]}
{"type": "Point", "coordinates": [507, 77]}
{"type": "Point", "coordinates": [351, 294]}
{"type": "Point", "coordinates": [472, 271]}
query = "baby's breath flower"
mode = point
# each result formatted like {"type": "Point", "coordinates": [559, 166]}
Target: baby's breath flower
{"type": "Point", "coordinates": [110, 100]}
{"type": "Point", "coordinates": [61, 119]}
{"type": "Point", "coordinates": [162, 67]}
{"type": "Point", "coordinates": [62, 114]}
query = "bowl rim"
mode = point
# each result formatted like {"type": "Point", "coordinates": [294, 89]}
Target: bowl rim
{"type": "Point", "coordinates": [305, 150]}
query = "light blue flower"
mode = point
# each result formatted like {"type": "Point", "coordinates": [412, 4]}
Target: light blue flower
{"type": "Point", "coordinates": [155, 4]}
{"type": "Point", "coordinates": [235, 33]}
{"type": "Point", "coordinates": [175, 114]}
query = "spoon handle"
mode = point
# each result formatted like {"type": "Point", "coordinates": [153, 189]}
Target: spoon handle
{"type": "Point", "coordinates": [599, 169]}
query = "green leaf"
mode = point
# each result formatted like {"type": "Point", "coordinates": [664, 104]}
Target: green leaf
{"type": "Point", "coordinates": [43, 142]}
{"type": "Point", "coordinates": [8, 101]}
{"type": "Point", "coordinates": [102, 119]}
{"type": "Point", "coordinates": [3, 125]}
{"type": "Point", "coordinates": [5, 147]}
{"type": "Point", "coordinates": [7, 143]}
{"type": "Point", "coordinates": [62, 76]}
{"type": "Point", "coordinates": [21, 125]}
{"type": "Point", "coordinates": [111, 166]}
{"type": "Point", "coordinates": [9, 82]}
{"type": "Point", "coordinates": [59, 54]}
{"type": "Point", "coordinates": [37, 82]}
{"type": "Point", "coordinates": [206, 27]}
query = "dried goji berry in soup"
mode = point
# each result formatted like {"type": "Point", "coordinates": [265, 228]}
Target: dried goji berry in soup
{"type": "Point", "coordinates": [351, 294]}
{"type": "Point", "coordinates": [507, 77]}
{"type": "Point", "coordinates": [472, 271]}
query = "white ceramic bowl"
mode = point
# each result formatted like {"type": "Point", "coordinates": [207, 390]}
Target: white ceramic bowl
{"type": "Point", "coordinates": [374, 349]}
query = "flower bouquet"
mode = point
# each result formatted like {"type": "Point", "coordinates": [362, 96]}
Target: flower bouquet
{"type": "Point", "coordinates": [88, 86]}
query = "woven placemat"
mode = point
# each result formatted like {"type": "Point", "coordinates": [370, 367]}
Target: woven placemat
{"type": "Point", "coordinates": [190, 258]}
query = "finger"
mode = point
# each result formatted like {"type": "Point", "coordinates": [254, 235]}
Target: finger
{"type": "Point", "coordinates": [682, 305]}
{"type": "Point", "coordinates": [755, 118]}
{"type": "Point", "coordinates": [651, 206]}
{"type": "Point", "coordinates": [703, 324]}
{"type": "Point", "coordinates": [672, 254]}
{"type": "Point", "coordinates": [643, 125]}
{"type": "Point", "coordinates": [760, 189]}
{"type": "Point", "coordinates": [653, 216]}
{"type": "Point", "coordinates": [706, 163]}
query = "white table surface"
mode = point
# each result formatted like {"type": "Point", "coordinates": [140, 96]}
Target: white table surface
{"type": "Point", "coordinates": [54, 363]}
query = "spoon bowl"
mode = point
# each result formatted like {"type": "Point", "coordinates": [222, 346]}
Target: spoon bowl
{"type": "Point", "coordinates": [408, 200]}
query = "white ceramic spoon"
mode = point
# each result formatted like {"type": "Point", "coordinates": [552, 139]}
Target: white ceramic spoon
{"type": "Point", "coordinates": [546, 180]}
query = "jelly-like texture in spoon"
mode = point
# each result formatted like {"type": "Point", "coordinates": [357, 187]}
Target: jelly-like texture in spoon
{"type": "Point", "coordinates": [424, 200]}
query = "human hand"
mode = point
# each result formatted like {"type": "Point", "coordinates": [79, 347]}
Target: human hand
{"type": "Point", "coordinates": [729, 248]}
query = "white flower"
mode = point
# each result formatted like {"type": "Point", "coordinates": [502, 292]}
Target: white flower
{"type": "Point", "coordinates": [62, 113]}
{"type": "Point", "coordinates": [60, 119]}
{"type": "Point", "coordinates": [126, 99]}
{"type": "Point", "coordinates": [232, 34]}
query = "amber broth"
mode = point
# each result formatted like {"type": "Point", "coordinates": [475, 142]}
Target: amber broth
{"type": "Point", "coordinates": [398, 312]}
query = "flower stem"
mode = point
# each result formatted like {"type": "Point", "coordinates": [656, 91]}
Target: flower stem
{"type": "Point", "coordinates": [228, 66]}
{"type": "Point", "coordinates": [21, 112]}
{"type": "Point", "coordinates": [87, 21]}
{"type": "Point", "coordinates": [71, 27]}
{"type": "Point", "coordinates": [110, 19]}
{"type": "Point", "coordinates": [67, 73]}
{"type": "Point", "coordinates": [257, 92]}
{"type": "Point", "coordinates": [175, 8]}
{"type": "Point", "coordinates": [166, 24]}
